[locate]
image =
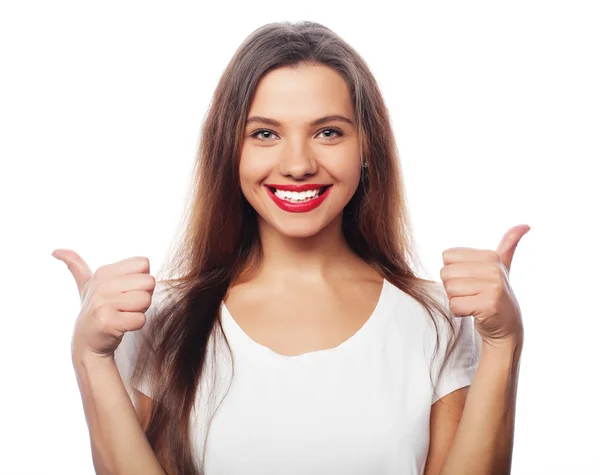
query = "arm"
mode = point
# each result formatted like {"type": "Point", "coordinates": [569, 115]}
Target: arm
{"type": "Point", "coordinates": [119, 444]}
{"type": "Point", "coordinates": [484, 439]}
{"type": "Point", "coordinates": [443, 422]}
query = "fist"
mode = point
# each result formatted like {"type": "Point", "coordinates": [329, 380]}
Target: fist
{"type": "Point", "coordinates": [114, 300]}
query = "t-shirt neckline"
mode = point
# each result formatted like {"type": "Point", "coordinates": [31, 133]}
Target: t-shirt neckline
{"type": "Point", "coordinates": [257, 352]}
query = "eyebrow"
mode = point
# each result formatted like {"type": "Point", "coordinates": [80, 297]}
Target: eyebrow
{"type": "Point", "coordinates": [322, 120]}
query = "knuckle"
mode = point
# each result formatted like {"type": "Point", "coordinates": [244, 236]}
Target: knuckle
{"type": "Point", "coordinates": [145, 263]}
{"type": "Point", "coordinates": [105, 326]}
{"type": "Point", "coordinates": [104, 316]}
{"type": "Point", "coordinates": [445, 255]}
{"type": "Point", "coordinates": [147, 282]}
{"type": "Point", "coordinates": [451, 287]}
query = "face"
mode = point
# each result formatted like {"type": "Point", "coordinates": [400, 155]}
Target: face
{"type": "Point", "coordinates": [293, 142]}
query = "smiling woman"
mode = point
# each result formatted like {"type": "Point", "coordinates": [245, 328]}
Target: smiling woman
{"type": "Point", "coordinates": [305, 150]}
{"type": "Point", "coordinates": [294, 335]}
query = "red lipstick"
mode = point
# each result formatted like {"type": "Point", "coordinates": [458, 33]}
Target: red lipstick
{"type": "Point", "coordinates": [302, 207]}
{"type": "Point", "coordinates": [304, 187]}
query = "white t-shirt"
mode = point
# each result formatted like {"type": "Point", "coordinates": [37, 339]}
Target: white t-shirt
{"type": "Point", "coordinates": [361, 408]}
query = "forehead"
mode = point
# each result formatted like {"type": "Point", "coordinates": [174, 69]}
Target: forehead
{"type": "Point", "coordinates": [301, 94]}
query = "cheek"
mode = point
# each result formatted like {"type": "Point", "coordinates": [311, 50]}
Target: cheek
{"type": "Point", "coordinates": [349, 176]}
{"type": "Point", "coordinates": [251, 173]}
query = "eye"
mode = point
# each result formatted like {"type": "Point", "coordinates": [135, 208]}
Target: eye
{"type": "Point", "coordinates": [334, 131]}
{"type": "Point", "coordinates": [266, 134]}
{"type": "Point", "coordinates": [259, 134]}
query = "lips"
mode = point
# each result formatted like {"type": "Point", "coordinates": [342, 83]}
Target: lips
{"type": "Point", "coordinates": [300, 206]}
{"type": "Point", "coordinates": [298, 188]}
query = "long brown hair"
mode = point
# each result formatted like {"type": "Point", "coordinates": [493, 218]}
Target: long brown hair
{"type": "Point", "coordinates": [220, 241]}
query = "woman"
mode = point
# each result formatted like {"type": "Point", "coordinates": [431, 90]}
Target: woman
{"type": "Point", "coordinates": [293, 335]}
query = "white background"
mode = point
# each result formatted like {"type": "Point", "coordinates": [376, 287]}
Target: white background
{"type": "Point", "coordinates": [496, 110]}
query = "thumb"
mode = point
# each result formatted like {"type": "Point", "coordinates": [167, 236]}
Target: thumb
{"type": "Point", "coordinates": [508, 244]}
{"type": "Point", "coordinates": [79, 269]}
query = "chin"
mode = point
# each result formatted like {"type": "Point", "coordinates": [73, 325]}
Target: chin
{"type": "Point", "coordinates": [298, 230]}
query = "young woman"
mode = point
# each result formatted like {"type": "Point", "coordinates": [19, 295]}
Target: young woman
{"type": "Point", "coordinates": [293, 334]}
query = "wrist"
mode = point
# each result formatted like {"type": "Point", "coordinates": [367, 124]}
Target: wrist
{"type": "Point", "coordinates": [87, 359]}
{"type": "Point", "coordinates": [506, 353]}
{"type": "Point", "coordinates": [510, 343]}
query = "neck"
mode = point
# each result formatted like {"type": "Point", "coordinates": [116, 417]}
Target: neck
{"type": "Point", "coordinates": [317, 257]}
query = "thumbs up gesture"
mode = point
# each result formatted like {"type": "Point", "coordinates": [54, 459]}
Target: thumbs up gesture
{"type": "Point", "coordinates": [113, 301]}
{"type": "Point", "coordinates": [476, 282]}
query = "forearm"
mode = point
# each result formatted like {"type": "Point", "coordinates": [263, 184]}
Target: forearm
{"type": "Point", "coordinates": [484, 440]}
{"type": "Point", "coordinates": [119, 444]}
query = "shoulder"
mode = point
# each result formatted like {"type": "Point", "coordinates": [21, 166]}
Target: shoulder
{"type": "Point", "coordinates": [413, 308]}
{"type": "Point", "coordinates": [426, 324]}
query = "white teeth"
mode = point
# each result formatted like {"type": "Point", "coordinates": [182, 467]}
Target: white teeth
{"type": "Point", "coordinates": [295, 196]}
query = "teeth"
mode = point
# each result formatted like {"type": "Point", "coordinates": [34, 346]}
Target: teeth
{"type": "Point", "coordinates": [295, 196]}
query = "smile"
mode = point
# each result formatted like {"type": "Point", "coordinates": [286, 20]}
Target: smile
{"type": "Point", "coordinates": [298, 198]}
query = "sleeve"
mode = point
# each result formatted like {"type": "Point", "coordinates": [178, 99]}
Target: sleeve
{"type": "Point", "coordinates": [128, 350]}
{"type": "Point", "coordinates": [463, 361]}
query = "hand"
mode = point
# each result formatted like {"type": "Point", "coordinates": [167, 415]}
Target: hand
{"type": "Point", "coordinates": [476, 282]}
{"type": "Point", "coordinates": [113, 301]}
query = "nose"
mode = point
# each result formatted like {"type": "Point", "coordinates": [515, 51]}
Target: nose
{"type": "Point", "coordinates": [297, 161]}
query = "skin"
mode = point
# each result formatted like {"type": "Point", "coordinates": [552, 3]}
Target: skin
{"type": "Point", "coordinates": [334, 291]}
{"type": "Point", "coordinates": [298, 153]}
